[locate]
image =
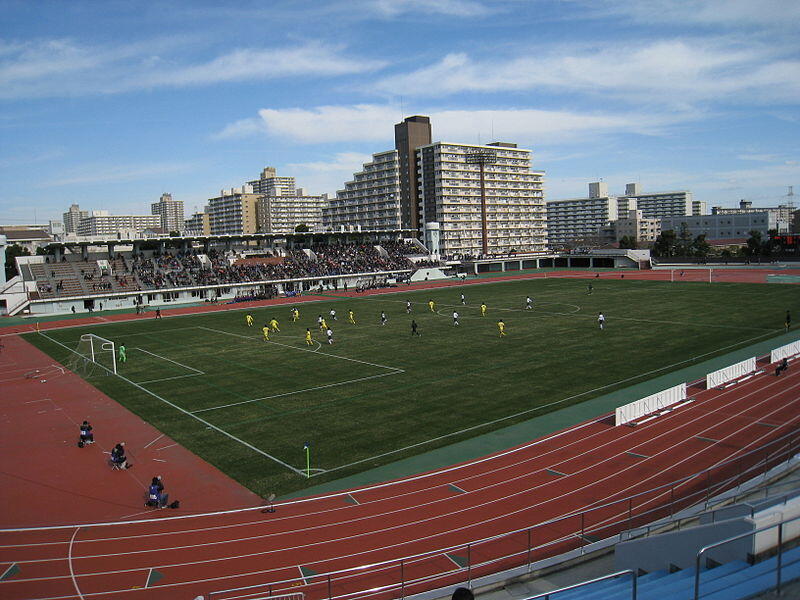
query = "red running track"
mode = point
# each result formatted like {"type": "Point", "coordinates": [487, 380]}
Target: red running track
{"type": "Point", "coordinates": [536, 500]}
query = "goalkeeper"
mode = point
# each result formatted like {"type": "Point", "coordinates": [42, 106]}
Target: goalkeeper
{"type": "Point", "coordinates": [123, 356]}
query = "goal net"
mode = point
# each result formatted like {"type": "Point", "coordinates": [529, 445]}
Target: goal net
{"type": "Point", "coordinates": [94, 353]}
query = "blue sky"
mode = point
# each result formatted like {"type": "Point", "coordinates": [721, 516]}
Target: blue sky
{"type": "Point", "coordinates": [109, 104]}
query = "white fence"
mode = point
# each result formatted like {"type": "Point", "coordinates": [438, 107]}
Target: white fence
{"type": "Point", "coordinates": [784, 352]}
{"type": "Point", "coordinates": [740, 369]}
{"type": "Point", "coordinates": [650, 404]}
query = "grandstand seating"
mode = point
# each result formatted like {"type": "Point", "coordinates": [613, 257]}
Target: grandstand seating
{"type": "Point", "coordinates": [184, 269]}
{"type": "Point", "coordinates": [730, 581]}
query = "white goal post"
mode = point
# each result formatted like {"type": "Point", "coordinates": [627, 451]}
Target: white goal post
{"type": "Point", "coordinates": [96, 349]}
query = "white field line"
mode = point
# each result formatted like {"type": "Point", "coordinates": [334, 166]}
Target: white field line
{"type": "Point", "coordinates": [174, 377]}
{"type": "Point", "coordinates": [252, 339]}
{"type": "Point", "coordinates": [348, 539]}
{"type": "Point", "coordinates": [420, 477]}
{"type": "Point", "coordinates": [311, 389]}
{"type": "Point", "coordinates": [189, 414]}
{"type": "Point", "coordinates": [496, 484]}
{"type": "Point", "coordinates": [540, 407]}
{"type": "Point", "coordinates": [175, 362]}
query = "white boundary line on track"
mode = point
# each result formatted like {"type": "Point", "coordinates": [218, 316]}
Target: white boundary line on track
{"type": "Point", "coordinates": [69, 560]}
{"type": "Point", "coordinates": [426, 555]}
{"type": "Point", "coordinates": [526, 491]}
{"type": "Point", "coordinates": [186, 412]}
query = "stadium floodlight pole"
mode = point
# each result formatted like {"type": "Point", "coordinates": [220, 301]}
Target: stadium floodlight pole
{"type": "Point", "coordinates": [481, 158]}
{"type": "Point", "coordinates": [307, 448]}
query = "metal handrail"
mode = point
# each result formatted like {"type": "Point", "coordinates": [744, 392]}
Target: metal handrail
{"type": "Point", "coordinates": [738, 537]}
{"type": "Point", "coordinates": [631, 572]}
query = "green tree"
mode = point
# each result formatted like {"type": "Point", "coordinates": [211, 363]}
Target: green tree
{"type": "Point", "coordinates": [301, 228]}
{"type": "Point", "coordinates": [664, 245]}
{"type": "Point", "coordinates": [700, 247]}
{"type": "Point", "coordinates": [754, 244]}
{"type": "Point", "coordinates": [628, 242]}
{"type": "Point", "coordinates": [684, 243]}
{"type": "Point", "coordinates": [12, 252]}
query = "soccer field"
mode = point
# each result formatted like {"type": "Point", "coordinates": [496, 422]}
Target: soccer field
{"type": "Point", "coordinates": [378, 394]}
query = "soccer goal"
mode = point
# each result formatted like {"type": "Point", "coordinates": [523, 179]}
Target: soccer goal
{"type": "Point", "coordinates": [93, 351]}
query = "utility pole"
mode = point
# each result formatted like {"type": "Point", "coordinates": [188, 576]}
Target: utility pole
{"type": "Point", "coordinates": [481, 158]}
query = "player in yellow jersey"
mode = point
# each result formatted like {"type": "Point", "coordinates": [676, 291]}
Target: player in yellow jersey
{"type": "Point", "coordinates": [265, 331]}
{"type": "Point", "coordinates": [309, 341]}
{"type": "Point", "coordinates": [295, 315]}
{"type": "Point", "coordinates": [323, 324]}
{"type": "Point", "coordinates": [249, 319]}
{"type": "Point", "coordinates": [432, 305]}
{"type": "Point", "coordinates": [274, 324]}
{"type": "Point", "coordinates": [502, 327]}
{"type": "Point", "coordinates": [483, 309]}
{"type": "Point", "coordinates": [351, 316]}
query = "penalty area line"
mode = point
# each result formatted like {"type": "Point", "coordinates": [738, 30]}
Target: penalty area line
{"type": "Point", "coordinates": [187, 413]}
{"type": "Point", "coordinates": [311, 389]}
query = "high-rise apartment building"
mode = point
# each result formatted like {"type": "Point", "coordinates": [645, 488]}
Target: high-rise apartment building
{"type": "Point", "coordinates": [657, 205]}
{"type": "Point", "coordinates": [371, 200]}
{"type": "Point", "coordinates": [281, 214]}
{"type": "Point", "coordinates": [73, 217]}
{"type": "Point", "coordinates": [233, 212]}
{"type": "Point", "coordinates": [453, 178]}
{"type": "Point", "coordinates": [270, 184]}
{"type": "Point", "coordinates": [100, 223]}
{"type": "Point", "coordinates": [170, 211]}
{"type": "Point", "coordinates": [414, 132]}
{"type": "Point", "coordinates": [198, 224]}
{"type": "Point", "coordinates": [575, 219]}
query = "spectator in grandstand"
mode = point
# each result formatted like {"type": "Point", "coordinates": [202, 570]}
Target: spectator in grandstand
{"type": "Point", "coordinates": [86, 437]}
{"type": "Point", "coordinates": [782, 367]}
{"type": "Point", "coordinates": [118, 459]}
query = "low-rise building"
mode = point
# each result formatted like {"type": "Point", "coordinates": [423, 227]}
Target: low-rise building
{"type": "Point", "coordinates": [723, 227]}
{"type": "Point", "coordinates": [637, 227]}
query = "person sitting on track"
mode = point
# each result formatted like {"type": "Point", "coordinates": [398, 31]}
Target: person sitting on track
{"type": "Point", "coordinates": [782, 367]}
{"type": "Point", "coordinates": [86, 436]}
{"type": "Point", "coordinates": [118, 459]}
{"type": "Point", "coordinates": [156, 498]}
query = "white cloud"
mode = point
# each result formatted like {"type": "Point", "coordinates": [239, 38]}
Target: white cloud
{"type": "Point", "coordinates": [740, 13]}
{"type": "Point", "coordinates": [55, 68]}
{"type": "Point", "coordinates": [373, 123]}
{"type": "Point", "coordinates": [241, 129]}
{"type": "Point", "coordinates": [674, 72]}
{"type": "Point", "coordinates": [97, 174]}
{"type": "Point", "coordinates": [328, 176]}
{"type": "Point", "coordinates": [452, 8]}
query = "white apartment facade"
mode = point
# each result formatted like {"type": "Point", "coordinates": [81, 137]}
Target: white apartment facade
{"type": "Point", "coordinates": [281, 214]}
{"type": "Point", "coordinates": [170, 212]}
{"type": "Point", "coordinates": [371, 200]}
{"type": "Point", "coordinates": [270, 183]}
{"type": "Point", "coordinates": [72, 218]}
{"type": "Point", "coordinates": [657, 205]}
{"type": "Point", "coordinates": [574, 219]}
{"type": "Point", "coordinates": [450, 195]}
{"type": "Point", "coordinates": [100, 223]}
{"type": "Point", "coordinates": [637, 227]}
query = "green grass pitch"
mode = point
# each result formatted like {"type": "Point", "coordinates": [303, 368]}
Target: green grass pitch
{"type": "Point", "coordinates": [378, 394]}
